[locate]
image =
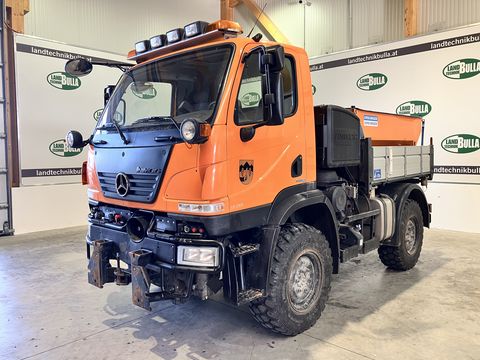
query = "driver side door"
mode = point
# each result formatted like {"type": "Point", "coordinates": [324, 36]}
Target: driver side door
{"type": "Point", "coordinates": [271, 161]}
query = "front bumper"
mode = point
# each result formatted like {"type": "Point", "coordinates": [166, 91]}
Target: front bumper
{"type": "Point", "coordinates": [162, 246]}
{"type": "Point", "coordinates": [148, 259]}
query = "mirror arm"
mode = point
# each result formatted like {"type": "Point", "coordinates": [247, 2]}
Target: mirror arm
{"type": "Point", "coordinates": [122, 66]}
{"type": "Point", "coordinates": [247, 55]}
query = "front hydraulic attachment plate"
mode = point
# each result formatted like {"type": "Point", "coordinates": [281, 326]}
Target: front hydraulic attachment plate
{"type": "Point", "coordinates": [100, 271]}
{"type": "Point", "coordinates": [140, 278]}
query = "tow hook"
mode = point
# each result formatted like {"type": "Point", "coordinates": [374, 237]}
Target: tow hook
{"type": "Point", "coordinates": [140, 279]}
{"type": "Point", "coordinates": [99, 270]}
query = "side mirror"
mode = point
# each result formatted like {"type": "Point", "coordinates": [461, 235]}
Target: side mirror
{"type": "Point", "coordinates": [277, 58]}
{"type": "Point", "coordinates": [75, 140]}
{"type": "Point", "coordinates": [107, 93]}
{"type": "Point", "coordinates": [78, 67]}
{"type": "Point", "coordinates": [273, 62]}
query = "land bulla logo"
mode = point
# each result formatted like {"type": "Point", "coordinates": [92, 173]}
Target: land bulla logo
{"type": "Point", "coordinates": [372, 81]}
{"type": "Point", "coordinates": [63, 81]}
{"type": "Point", "coordinates": [461, 143]}
{"type": "Point", "coordinates": [462, 69]}
{"type": "Point", "coordinates": [414, 108]}
{"type": "Point", "coordinates": [145, 94]}
{"type": "Point", "coordinates": [60, 148]}
{"type": "Point", "coordinates": [250, 99]}
{"type": "Point", "coordinates": [97, 114]}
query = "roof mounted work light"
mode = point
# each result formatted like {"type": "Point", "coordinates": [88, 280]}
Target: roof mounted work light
{"type": "Point", "coordinates": [158, 41]}
{"type": "Point", "coordinates": [174, 35]}
{"type": "Point", "coordinates": [195, 28]}
{"type": "Point", "coordinates": [142, 46]}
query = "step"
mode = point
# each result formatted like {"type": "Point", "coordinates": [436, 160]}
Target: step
{"type": "Point", "coordinates": [246, 249]}
{"type": "Point", "coordinates": [248, 295]}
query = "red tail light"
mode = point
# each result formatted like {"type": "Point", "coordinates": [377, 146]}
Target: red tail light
{"type": "Point", "coordinates": [84, 173]}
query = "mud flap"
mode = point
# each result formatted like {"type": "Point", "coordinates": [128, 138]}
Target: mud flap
{"type": "Point", "coordinates": [140, 278]}
{"type": "Point", "coordinates": [100, 271]}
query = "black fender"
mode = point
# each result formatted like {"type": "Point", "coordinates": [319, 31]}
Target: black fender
{"type": "Point", "coordinates": [400, 192]}
{"type": "Point", "coordinates": [283, 207]}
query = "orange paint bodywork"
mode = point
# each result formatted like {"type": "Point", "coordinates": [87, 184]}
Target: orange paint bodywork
{"type": "Point", "coordinates": [209, 172]}
{"type": "Point", "coordinates": [390, 129]}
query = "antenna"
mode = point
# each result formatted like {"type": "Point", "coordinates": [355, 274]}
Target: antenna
{"type": "Point", "coordinates": [256, 21]}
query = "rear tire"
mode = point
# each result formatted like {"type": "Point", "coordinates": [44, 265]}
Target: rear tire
{"type": "Point", "coordinates": [300, 278]}
{"type": "Point", "coordinates": [409, 239]}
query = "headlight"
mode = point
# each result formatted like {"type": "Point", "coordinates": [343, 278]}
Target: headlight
{"type": "Point", "coordinates": [74, 140]}
{"type": "Point", "coordinates": [198, 256]}
{"type": "Point", "coordinates": [189, 130]}
{"type": "Point", "coordinates": [201, 208]}
{"type": "Point", "coordinates": [194, 131]}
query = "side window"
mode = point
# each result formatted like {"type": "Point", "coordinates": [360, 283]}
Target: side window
{"type": "Point", "coordinates": [289, 87]}
{"type": "Point", "coordinates": [249, 107]}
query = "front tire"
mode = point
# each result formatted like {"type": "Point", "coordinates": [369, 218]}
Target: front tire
{"type": "Point", "coordinates": [300, 279]}
{"type": "Point", "coordinates": [409, 238]}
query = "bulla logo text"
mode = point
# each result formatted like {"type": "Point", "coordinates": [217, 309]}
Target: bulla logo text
{"type": "Point", "coordinates": [250, 99]}
{"type": "Point", "coordinates": [461, 143]}
{"type": "Point", "coordinates": [414, 108]}
{"type": "Point", "coordinates": [60, 148]}
{"type": "Point", "coordinates": [63, 81]}
{"type": "Point", "coordinates": [372, 81]}
{"type": "Point", "coordinates": [462, 69]}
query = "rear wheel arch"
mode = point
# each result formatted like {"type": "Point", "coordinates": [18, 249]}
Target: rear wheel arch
{"type": "Point", "coordinates": [418, 195]}
{"type": "Point", "coordinates": [401, 192]}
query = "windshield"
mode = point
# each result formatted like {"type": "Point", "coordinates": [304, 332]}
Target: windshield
{"type": "Point", "coordinates": [182, 86]}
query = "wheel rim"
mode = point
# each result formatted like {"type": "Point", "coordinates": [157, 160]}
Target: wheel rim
{"type": "Point", "coordinates": [304, 280]}
{"type": "Point", "coordinates": [411, 237]}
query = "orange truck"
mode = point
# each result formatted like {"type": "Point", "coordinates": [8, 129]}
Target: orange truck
{"type": "Point", "coordinates": [211, 169]}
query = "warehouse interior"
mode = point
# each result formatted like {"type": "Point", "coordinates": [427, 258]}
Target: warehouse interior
{"type": "Point", "coordinates": [409, 68]}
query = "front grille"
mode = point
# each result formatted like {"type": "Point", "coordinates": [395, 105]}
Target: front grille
{"type": "Point", "coordinates": [143, 187]}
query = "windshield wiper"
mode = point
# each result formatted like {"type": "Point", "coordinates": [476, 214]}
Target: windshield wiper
{"type": "Point", "coordinates": [120, 132]}
{"type": "Point", "coordinates": [155, 119]}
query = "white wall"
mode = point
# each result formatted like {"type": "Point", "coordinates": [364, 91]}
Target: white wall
{"type": "Point", "coordinates": [46, 207]}
{"type": "Point", "coordinates": [113, 25]}
{"type": "Point", "coordinates": [325, 26]}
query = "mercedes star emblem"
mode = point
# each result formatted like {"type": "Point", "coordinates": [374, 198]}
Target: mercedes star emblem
{"type": "Point", "coordinates": [122, 184]}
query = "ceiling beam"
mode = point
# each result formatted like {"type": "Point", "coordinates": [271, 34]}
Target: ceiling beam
{"type": "Point", "coordinates": [18, 8]}
{"type": "Point", "coordinates": [265, 22]}
{"type": "Point", "coordinates": [410, 11]}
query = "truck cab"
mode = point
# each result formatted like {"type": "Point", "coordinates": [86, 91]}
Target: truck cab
{"type": "Point", "coordinates": [210, 168]}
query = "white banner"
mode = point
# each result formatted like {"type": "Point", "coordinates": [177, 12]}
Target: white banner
{"type": "Point", "coordinates": [434, 76]}
{"type": "Point", "coordinates": [50, 103]}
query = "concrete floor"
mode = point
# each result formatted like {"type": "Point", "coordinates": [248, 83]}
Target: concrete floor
{"type": "Point", "coordinates": [49, 311]}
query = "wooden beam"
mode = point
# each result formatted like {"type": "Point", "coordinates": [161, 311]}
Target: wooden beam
{"type": "Point", "coordinates": [18, 9]}
{"type": "Point", "coordinates": [226, 10]}
{"type": "Point", "coordinates": [410, 8]}
{"type": "Point", "coordinates": [264, 21]}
